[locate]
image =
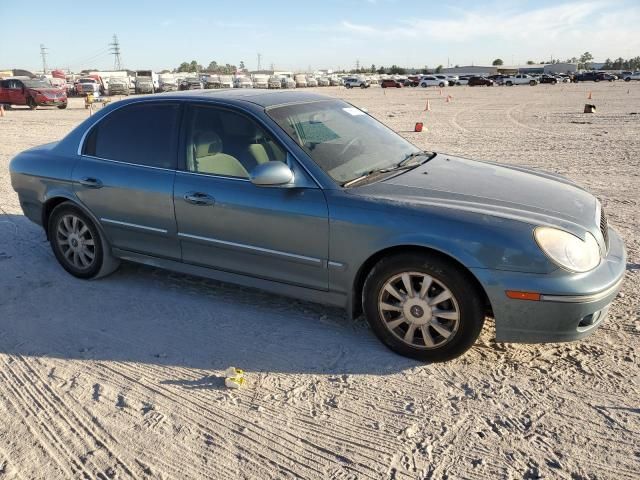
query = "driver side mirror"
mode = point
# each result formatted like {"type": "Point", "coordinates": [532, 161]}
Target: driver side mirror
{"type": "Point", "coordinates": [271, 174]}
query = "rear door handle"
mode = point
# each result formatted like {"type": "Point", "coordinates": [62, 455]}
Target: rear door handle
{"type": "Point", "coordinates": [199, 198]}
{"type": "Point", "coordinates": [91, 182]}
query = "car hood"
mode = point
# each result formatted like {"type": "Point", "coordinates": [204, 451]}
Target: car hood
{"type": "Point", "coordinates": [488, 188]}
{"type": "Point", "coordinates": [47, 91]}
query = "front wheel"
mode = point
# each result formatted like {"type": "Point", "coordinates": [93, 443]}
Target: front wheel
{"type": "Point", "coordinates": [441, 85]}
{"type": "Point", "coordinates": [32, 103]}
{"type": "Point", "coordinates": [627, 79]}
{"type": "Point", "coordinates": [509, 84]}
{"type": "Point", "coordinates": [422, 306]}
{"type": "Point", "coordinates": [423, 85]}
{"type": "Point", "coordinates": [78, 244]}
{"type": "Point", "coordinates": [533, 83]}
{"type": "Point", "coordinates": [62, 107]}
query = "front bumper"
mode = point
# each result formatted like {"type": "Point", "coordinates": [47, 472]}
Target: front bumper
{"type": "Point", "coordinates": [571, 305]}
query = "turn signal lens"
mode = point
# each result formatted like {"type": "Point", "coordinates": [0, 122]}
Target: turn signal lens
{"type": "Point", "coordinates": [523, 295]}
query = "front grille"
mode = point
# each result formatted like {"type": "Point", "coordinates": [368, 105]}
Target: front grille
{"type": "Point", "coordinates": [604, 227]}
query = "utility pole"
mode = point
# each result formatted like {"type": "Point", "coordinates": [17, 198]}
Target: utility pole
{"type": "Point", "coordinates": [114, 48]}
{"type": "Point", "coordinates": [259, 61]}
{"type": "Point", "coordinates": [357, 65]}
{"type": "Point", "coordinates": [43, 54]}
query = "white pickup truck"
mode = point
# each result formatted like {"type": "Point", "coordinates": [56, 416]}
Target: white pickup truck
{"type": "Point", "coordinates": [520, 79]}
{"type": "Point", "coordinates": [631, 76]}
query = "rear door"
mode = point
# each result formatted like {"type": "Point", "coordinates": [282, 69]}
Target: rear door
{"type": "Point", "coordinates": [17, 92]}
{"type": "Point", "coordinates": [126, 174]}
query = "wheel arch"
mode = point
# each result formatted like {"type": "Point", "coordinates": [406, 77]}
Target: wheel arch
{"type": "Point", "coordinates": [360, 277]}
{"type": "Point", "coordinates": [53, 201]}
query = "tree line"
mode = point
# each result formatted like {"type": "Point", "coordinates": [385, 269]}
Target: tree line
{"type": "Point", "coordinates": [213, 67]}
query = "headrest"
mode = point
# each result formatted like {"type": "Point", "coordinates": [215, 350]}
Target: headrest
{"type": "Point", "coordinates": [207, 143]}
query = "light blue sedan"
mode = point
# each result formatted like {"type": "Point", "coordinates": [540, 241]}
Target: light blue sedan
{"type": "Point", "coordinates": [308, 196]}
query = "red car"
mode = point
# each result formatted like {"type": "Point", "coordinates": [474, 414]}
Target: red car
{"type": "Point", "coordinates": [390, 83]}
{"type": "Point", "coordinates": [31, 92]}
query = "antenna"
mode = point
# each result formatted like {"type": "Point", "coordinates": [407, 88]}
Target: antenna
{"type": "Point", "coordinates": [259, 61]}
{"type": "Point", "coordinates": [114, 48]}
{"type": "Point", "coordinates": [43, 54]}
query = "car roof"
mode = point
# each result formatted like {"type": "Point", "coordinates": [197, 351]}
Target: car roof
{"type": "Point", "coordinates": [263, 98]}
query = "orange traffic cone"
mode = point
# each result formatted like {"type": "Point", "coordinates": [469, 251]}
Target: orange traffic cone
{"type": "Point", "coordinates": [428, 107]}
{"type": "Point", "coordinates": [449, 98]}
{"type": "Point", "coordinates": [418, 127]}
{"type": "Point", "coordinates": [440, 92]}
{"type": "Point", "coordinates": [590, 97]}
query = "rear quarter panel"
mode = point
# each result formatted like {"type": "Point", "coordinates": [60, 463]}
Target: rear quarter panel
{"type": "Point", "coordinates": [39, 174]}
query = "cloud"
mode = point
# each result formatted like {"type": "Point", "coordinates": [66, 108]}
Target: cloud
{"type": "Point", "coordinates": [596, 25]}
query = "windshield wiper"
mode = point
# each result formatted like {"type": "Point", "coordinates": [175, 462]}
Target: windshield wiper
{"type": "Point", "coordinates": [407, 163]}
{"type": "Point", "coordinates": [409, 159]}
{"type": "Point", "coordinates": [370, 173]}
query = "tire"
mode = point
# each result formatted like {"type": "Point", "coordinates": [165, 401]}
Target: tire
{"type": "Point", "coordinates": [31, 103]}
{"type": "Point", "coordinates": [90, 255]}
{"type": "Point", "coordinates": [423, 85]}
{"type": "Point", "coordinates": [432, 338]}
{"type": "Point", "coordinates": [509, 84]}
{"type": "Point", "coordinates": [532, 83]}
{"type": "Point", "coordinates": [441, 85]}
{"type": "Point", "coordinates": [62, 107]}
{"type": "Point", "coordinates": [363, 86]}
{"type": "Point", "coordinates": [596, 80]}
{"type": "Point", "coordinates": [628, 79]}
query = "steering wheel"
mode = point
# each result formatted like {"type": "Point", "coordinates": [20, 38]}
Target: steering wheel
{"type": "Point", "coordinates": [353, 142]}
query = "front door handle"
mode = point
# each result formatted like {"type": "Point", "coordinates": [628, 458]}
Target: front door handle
{"type": "Point", "coordinates": [91, 182]}
{"type": "Point", "coordinates": [199, 198]}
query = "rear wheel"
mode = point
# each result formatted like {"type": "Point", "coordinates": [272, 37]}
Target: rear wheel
{"type": "Point", "coordinates": [509, 84]}
{"type": "Point", "coordinates": [422, 306]}
{"type": "Point", "coordinates": [77, 243]}
{"type": "Point", "coordinates": [532, 83]}
{"type": "Point", "coordinates": [62, 107]}
{"type": "Point", "coordinates": [441, 85]}
{"type": "Point", "coordinates": [32, 103]}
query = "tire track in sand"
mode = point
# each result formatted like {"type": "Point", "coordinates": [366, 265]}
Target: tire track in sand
{"type": "Point", "coordinates": [77, 426]}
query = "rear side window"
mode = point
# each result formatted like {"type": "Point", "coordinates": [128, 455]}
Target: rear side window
{"type": "Point", "coordinates": [143, 134]}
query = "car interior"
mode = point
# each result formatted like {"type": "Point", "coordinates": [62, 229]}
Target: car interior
{"type": "Point", "coordinates": [225, 143]}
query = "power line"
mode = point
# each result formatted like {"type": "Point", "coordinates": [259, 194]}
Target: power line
{"type": "Point", "coordinates": [114, 49]}
{"type": "Point", "coordinates": [43, 54]}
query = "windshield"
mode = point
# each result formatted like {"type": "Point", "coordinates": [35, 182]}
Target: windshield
{"type": "Point", "coordinates": [33, 83]}
{"type": "Point", "coordinates": [343, 140]}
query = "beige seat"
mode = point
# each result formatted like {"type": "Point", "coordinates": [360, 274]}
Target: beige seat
{"type": "Point", "coordinates": [208, 157]}
{"type": "Point", "coordinates": [268, 151]}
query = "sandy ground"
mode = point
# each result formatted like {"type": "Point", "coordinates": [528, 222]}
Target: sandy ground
{"type": "Point", "coordinates": [122, 377]}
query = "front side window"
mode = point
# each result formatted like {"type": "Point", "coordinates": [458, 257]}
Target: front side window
{"type": "Point", "coordinates": [143, 134]}
{"type": "Point", "coordinates": [225, 143]}
{"type": "Point", "coordinates": [343, 140]}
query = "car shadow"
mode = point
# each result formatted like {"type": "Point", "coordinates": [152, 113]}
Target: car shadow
{"type": "Point", "coordinates": [147, 315]}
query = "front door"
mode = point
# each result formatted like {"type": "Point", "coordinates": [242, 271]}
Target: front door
{"type": "Point", "coordinates": [126, 175]}
{"type": "Point", "coordinates": [228, 223]}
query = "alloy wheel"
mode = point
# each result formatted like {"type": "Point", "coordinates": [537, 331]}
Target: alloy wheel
{"type": "Point", "coordinates": [76, 242]}
{"type": "Point", "coordinates": [419, 310]}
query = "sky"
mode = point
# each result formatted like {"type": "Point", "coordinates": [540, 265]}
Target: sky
{"type": "Point", "coordinates": [316, 34]}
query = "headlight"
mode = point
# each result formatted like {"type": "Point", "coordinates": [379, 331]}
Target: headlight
{"type": "Point", "coordinates": [567, 250]}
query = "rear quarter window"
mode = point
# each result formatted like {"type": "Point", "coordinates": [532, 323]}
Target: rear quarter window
{"type": "Point", "coordinates": [143, 134]}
